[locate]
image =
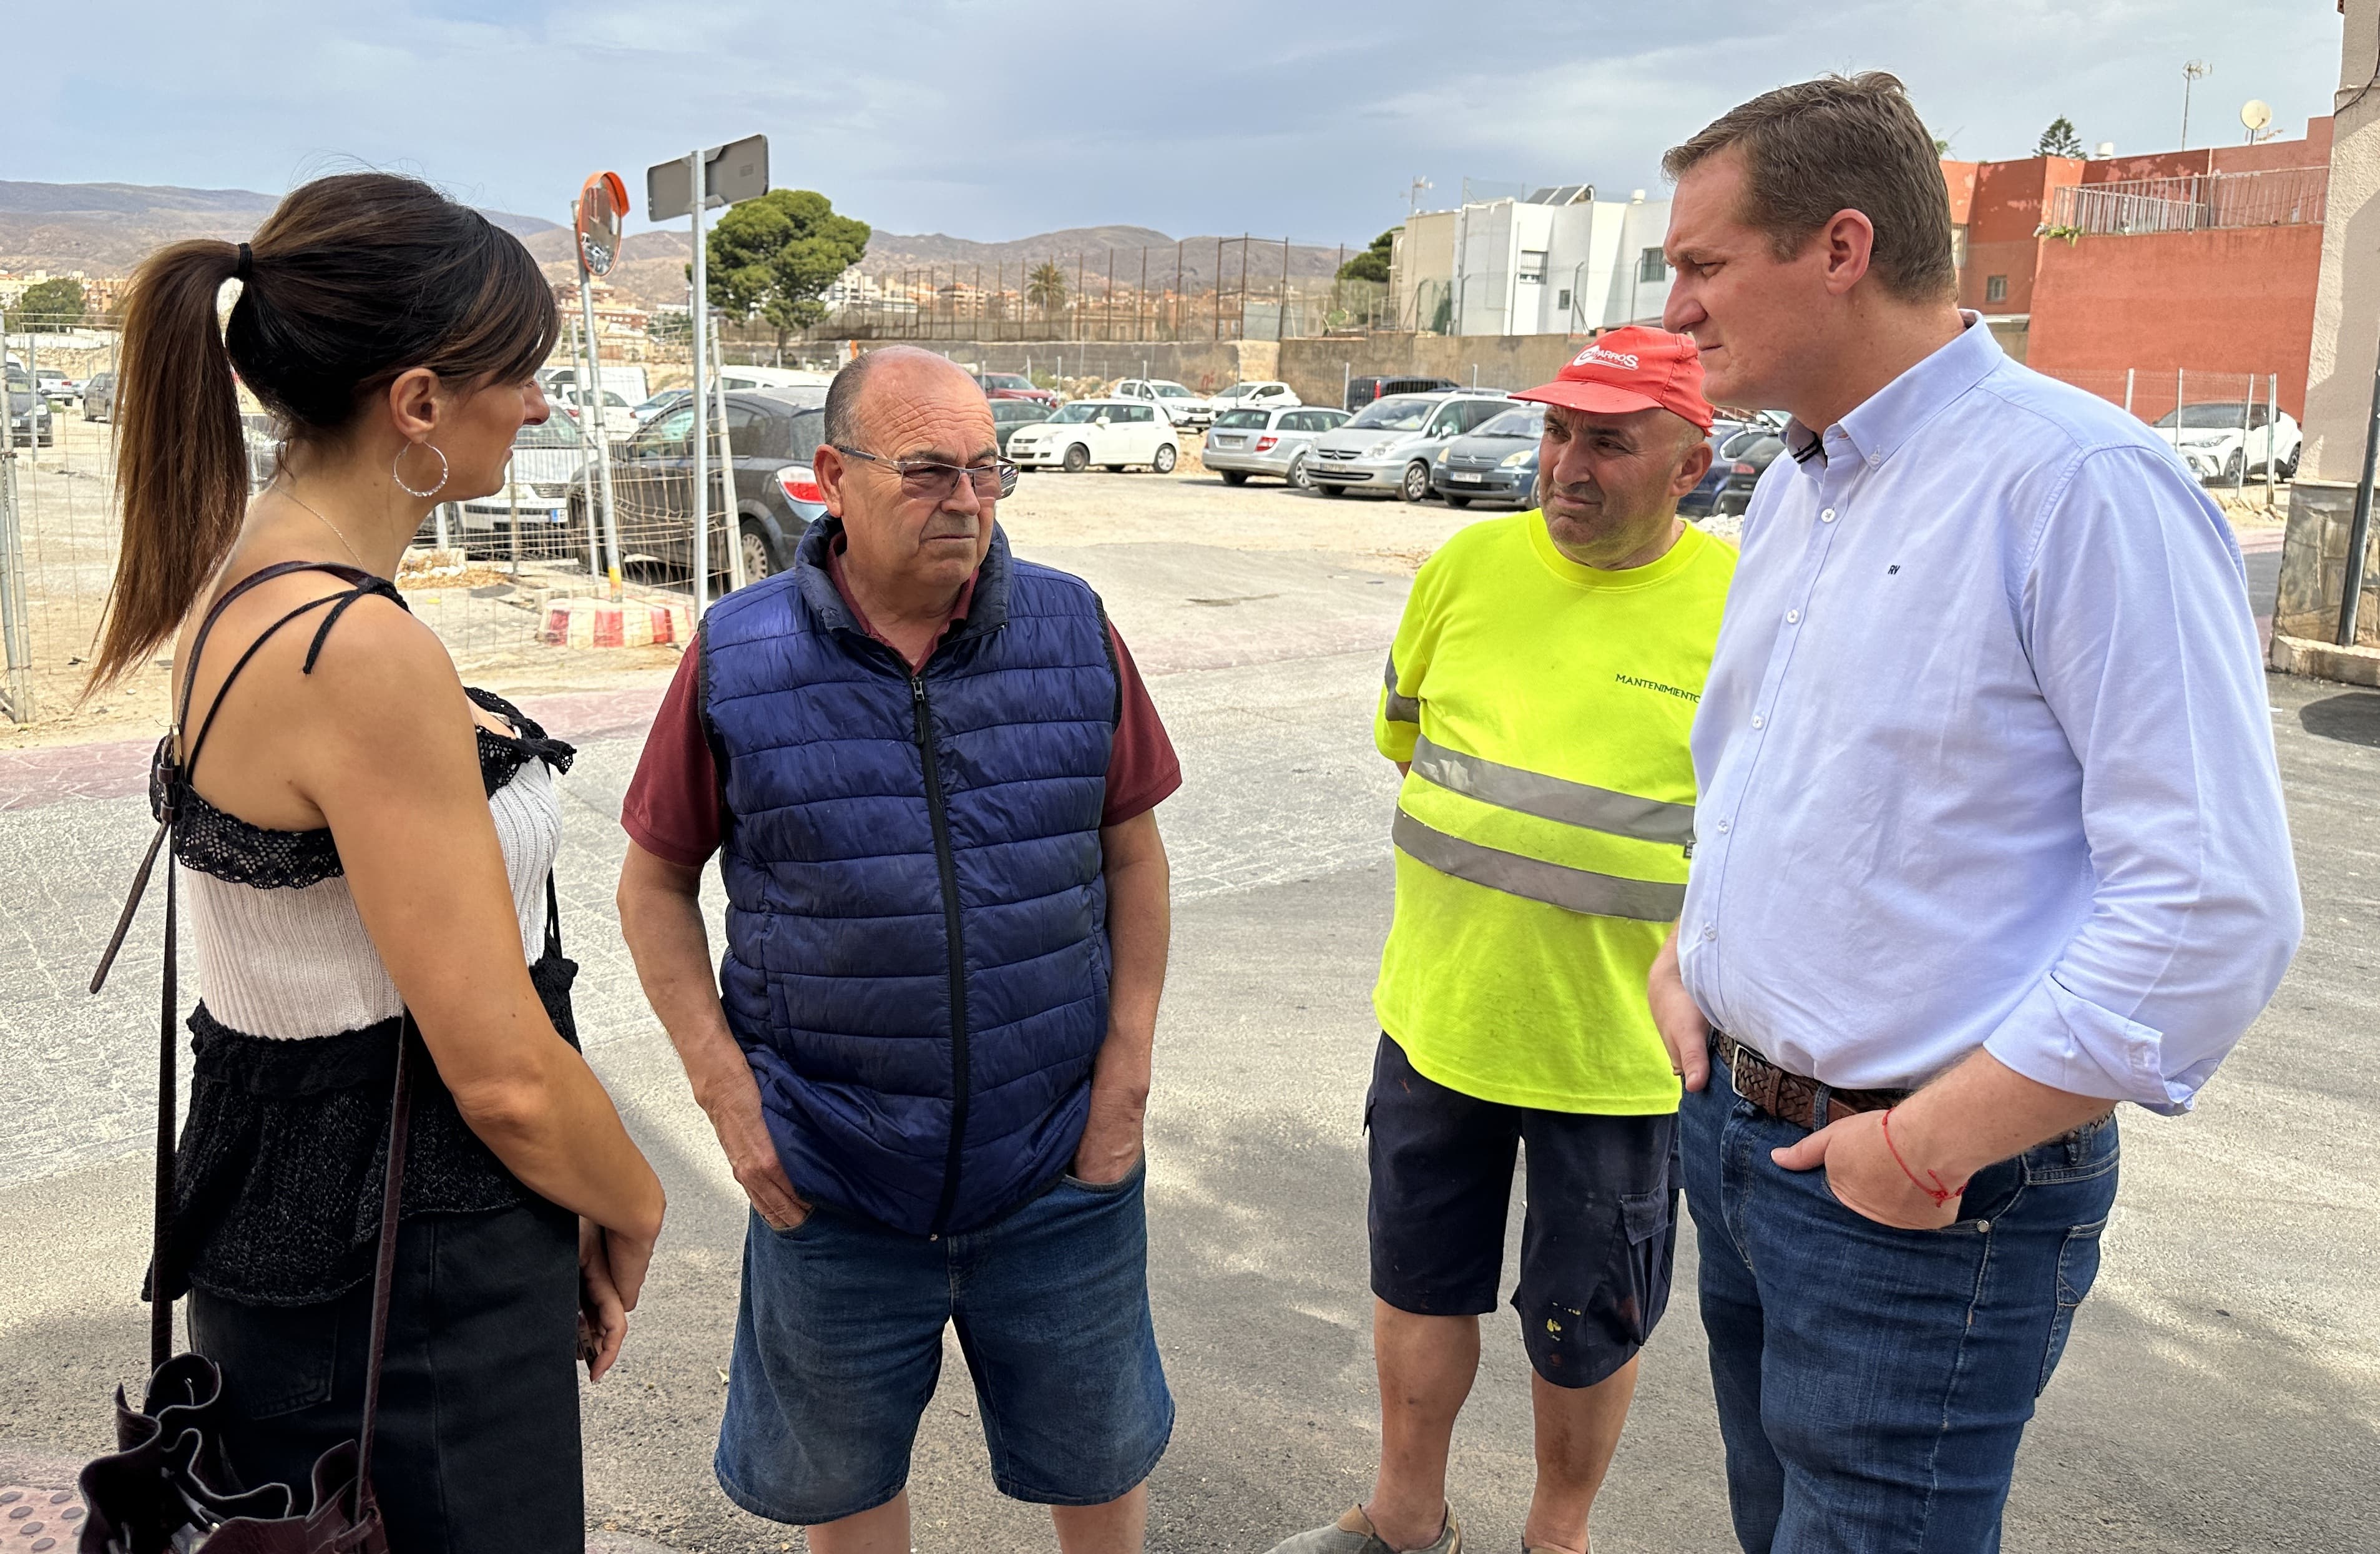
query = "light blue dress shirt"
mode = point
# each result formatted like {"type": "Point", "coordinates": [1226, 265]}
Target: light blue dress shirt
{"type": "Point", "coordinates": [1985, 756]}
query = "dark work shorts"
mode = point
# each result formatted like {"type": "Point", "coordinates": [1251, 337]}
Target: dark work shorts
{"type": "Point", "coordinates": [1597, 1242]}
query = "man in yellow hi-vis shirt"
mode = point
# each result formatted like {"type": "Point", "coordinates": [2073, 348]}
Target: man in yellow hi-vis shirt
{"type": "Point", "coordinates": [1539, 699]}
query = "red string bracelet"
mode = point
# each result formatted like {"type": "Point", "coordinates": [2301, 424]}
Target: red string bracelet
{"type": "Point", "coordinates": [1938, 1193]}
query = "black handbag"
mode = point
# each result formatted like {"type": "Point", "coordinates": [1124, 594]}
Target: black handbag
{"type": "Point", "coordinates": [161, 1491]}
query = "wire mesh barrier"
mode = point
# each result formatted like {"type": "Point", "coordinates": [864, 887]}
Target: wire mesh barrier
{"type": "Point", "coordinates": [1234, 288]}
{"type": "Point", "coordinates": [485, 574]}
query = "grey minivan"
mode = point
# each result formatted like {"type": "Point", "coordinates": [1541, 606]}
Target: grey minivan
{"type": "Point", "coordinates": [1392, 442]}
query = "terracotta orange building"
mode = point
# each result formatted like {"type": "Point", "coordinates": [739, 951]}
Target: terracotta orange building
{"type": "Point", "coordinates": [2204, 261]}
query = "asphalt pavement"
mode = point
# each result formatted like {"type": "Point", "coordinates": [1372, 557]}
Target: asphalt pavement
{"type": "Point", "coordinates": [2221, 1390]}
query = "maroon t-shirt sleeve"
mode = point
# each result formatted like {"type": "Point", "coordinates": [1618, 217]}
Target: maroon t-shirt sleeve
{"type": "Point", "coordinates": [675, 808]}
{"type": "Point", "coordinates": [1142, 768]}
{"type": "Point", "coordinates": [676, 811]}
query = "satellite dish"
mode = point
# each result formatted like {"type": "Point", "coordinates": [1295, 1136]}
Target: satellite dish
{"type": "Point", "coordinates": [2256, 113]}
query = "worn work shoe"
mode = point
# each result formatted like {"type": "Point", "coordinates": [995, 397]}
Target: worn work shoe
{"type": "Point", "coordinates": [1353, 1534]}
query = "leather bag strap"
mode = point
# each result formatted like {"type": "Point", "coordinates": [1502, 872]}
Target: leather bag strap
{"type": "Point", "coordinates": [400, 1117]}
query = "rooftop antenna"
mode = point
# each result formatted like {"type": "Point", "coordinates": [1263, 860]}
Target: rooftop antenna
{"type": "Point", "coordinates": [2255, 114]}
{"type": "Point", "coordinates": [2192, 73]}
{"type": "Point", "coordinates": [1412, 195]}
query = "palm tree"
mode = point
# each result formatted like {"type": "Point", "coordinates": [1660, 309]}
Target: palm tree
{"type": "Point", "coordinates": [1045, 288]}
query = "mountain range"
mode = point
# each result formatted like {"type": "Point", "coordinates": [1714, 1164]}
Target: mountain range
{"type": "Point", "coordinates": [106, 228]}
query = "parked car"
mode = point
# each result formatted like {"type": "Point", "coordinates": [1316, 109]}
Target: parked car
{"type": "Point", "coordinates": [1276, 442]}
{"type": "Point", "coordinates": [621, 378]}
{"type": "Point", "coordinates": [1727, 438]}
{"type": "Point", "coordinates": [1008, 415]}
{"type": "Point", "coordinates": [619, 411]}
{"type": "Point", "coordinates": [774, 435]}
{"type": "Point", "coordinates": [55, 386]}
{"type": "Point", "coordinates": [1391, 444]}
{"type": "Point", "coordinates": [2208, 438]}
{"type": "Point", "coordinates": [1362, 391]}
{"type": "Point", "coordinates": [551, 463]}
{"type": "Point", "coordinates": [1495, 461]}
{"type": "Point", "coordinates": [1013, 385]}
{"type": "Point", "coordinates": [1181, 406]}
{"type": "Point", "coordinates": [1726, 489]}
{"type": "Point", "coordinates": [29, 412]}
{"type": "Point", "coordinates": [1109, 432]}
{"type": "Point", "coordinates": [1265, 395]}
{"type": "Point", "coordinates": [659, 405]}
{"type": "Point", "coordinates": [98, 398]}
{"type": "Point", "coordinates": [774, 378]}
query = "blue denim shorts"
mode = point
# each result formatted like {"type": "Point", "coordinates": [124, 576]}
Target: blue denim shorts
{"type": "Point", "coordinates": [839, 1345]}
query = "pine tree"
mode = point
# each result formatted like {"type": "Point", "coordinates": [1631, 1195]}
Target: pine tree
{"type": "Point", "coordinates": [2059, 138]}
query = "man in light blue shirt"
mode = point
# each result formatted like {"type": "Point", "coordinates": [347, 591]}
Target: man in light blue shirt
{"type": "Point", "coordinates": [1991, 837]}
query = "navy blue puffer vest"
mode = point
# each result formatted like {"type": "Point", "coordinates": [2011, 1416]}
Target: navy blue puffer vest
{"type": "Point", "coordinates": [917, 961]}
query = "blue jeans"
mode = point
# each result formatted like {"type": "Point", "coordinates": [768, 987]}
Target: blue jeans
{"type": "Point", "coordinates": [1873, 1383]}
{"type": "Point", "coordinates": [839, 1346]}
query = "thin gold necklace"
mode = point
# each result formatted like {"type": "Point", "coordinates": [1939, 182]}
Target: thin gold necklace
{"type": "Point", "coordinates": [327, 523]}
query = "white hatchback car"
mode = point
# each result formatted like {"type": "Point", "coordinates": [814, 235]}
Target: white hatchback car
{"type": "Point", "coordinates": [1181, 406]}
{"type": "Point", "coordinates": [1268, 396]}
{"type": "Point", "coordinates": [1109, 433]}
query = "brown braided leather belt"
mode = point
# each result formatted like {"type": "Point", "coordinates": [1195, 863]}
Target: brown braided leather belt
{"type": "Point", "coordinates": [1787, 1097]}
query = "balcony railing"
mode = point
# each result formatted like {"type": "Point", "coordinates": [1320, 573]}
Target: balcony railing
{"type": "Point", "coordinates": [2193, 202]}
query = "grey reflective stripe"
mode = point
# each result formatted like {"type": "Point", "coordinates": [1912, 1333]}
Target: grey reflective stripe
{"type": "Point", "coordinates": [1550, 799]}
{"type": "Point", "coordinates": [1401, 709]}
{"type": "Point", "coordinates": [1574, 889]}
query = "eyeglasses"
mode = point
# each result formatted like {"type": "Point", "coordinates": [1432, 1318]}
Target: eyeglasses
{"type": "Point", "coordinates": [928, 479]}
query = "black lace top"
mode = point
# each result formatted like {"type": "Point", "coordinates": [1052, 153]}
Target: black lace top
{"type": "Point", "coordinates": [278, 1175]}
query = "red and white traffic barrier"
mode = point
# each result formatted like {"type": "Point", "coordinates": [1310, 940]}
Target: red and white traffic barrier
{"type": "Point", "coordinates": [596, 623]}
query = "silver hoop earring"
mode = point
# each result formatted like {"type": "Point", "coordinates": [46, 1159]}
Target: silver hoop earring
{"type": "Point", "coordinates": [396, 471]}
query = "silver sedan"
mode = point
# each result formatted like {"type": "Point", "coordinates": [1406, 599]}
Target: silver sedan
{"type": "Point", "coordinates": [1254, 442]}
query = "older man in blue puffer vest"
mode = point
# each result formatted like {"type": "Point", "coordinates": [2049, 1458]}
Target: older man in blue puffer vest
{"type": "Point", "coordinates": [930, 771]}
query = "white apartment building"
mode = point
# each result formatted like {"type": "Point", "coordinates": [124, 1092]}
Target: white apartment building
{"type": "Point", "coordinates": [1559, 262]}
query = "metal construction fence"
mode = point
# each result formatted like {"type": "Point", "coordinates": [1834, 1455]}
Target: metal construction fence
{"type": "Point", "coordinates": [486, 571]}
{"type": "Point", "coordinates": [489, 566]}
{"type": "Point", "coordinates": [1241, 288]}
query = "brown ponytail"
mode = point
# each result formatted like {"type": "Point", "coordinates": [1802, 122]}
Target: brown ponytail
{"type": "Point", "coordinates": [352, 281]}
{"type": "Point", "coordinates": [181, 468]}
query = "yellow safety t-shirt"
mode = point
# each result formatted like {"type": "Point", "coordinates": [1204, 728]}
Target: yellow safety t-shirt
{"type": "Point", "coordinates": [1542, 835]}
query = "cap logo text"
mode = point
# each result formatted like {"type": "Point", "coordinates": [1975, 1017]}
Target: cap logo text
{"type": "Point", "coordinates": [1596, 353]}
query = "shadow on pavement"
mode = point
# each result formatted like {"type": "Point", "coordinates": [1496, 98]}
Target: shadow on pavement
{"type": "Point", "coordinates": [2353, 716]}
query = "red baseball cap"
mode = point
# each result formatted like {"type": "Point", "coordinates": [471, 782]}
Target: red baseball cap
{"type": "Point", "coordinates": [1632, 368]}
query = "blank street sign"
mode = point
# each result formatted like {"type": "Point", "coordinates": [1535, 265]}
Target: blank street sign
{"type": "Point", "coordinates": [731, 173]}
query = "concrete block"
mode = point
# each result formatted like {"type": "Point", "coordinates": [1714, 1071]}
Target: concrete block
{"type": "Point", "coordinates": [2351, 666]}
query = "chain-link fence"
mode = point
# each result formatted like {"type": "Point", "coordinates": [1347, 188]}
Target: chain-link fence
{"type": "Point", "coordinates": [1231, 288]}
{"type": "Point", "coordinates": [483, 575]}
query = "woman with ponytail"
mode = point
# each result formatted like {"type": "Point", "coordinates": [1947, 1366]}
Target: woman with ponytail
{"type": "Point", "coordinates": [366, 843]}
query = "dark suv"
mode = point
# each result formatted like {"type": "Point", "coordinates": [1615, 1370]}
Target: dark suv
{"type": "Point", "coordinates": [1362, 391]}
{"type": "Point", "coordinates": [777, 498]}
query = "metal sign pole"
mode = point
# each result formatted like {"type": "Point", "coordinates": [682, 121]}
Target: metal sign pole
{"type": "Point", "coordinates": [2359, 529]}
{"type": "Point", "coordinates": [2272, 438]}
{"type": "Point", "coordinates": [585, 356]}
{"type": "Point", "coordinates": [602, 440]}
{"type": "Point", "coordinates": [16, 630]}
{"type": "Point", "coordinates": [731, 529]}
{"type": "Point", "coordinates": [698, 312]}
{"type": "Point", "coordinates": [2247, 405]}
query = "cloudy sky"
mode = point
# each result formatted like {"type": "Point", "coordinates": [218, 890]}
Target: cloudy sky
{"type": "Point", "coordinates": [996, 119]}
